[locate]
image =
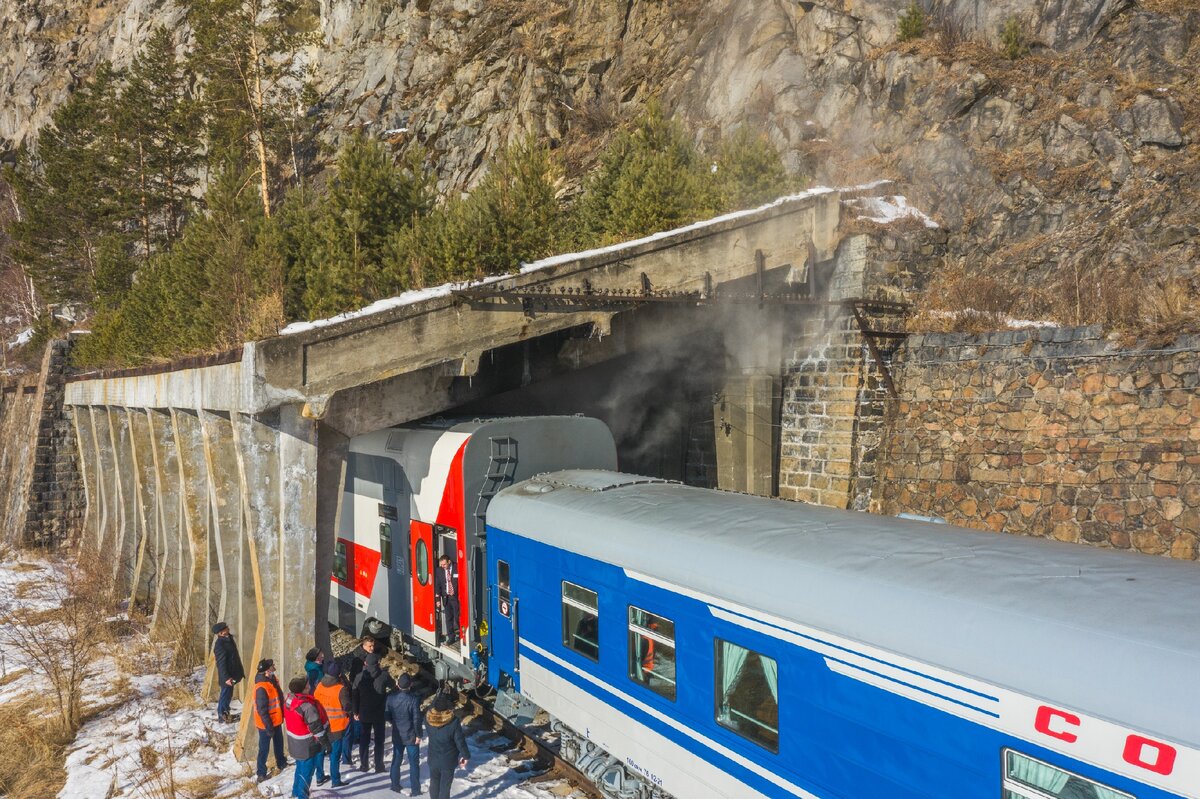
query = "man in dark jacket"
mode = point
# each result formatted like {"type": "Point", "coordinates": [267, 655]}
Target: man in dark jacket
{"type": "Point", "coordinates": [307, 734]}
{"type": "Point", "coordinates": [229, 668]}
{"type": "Point", "coordinates": [445, 589]}
{"type": "Point", "coordinates": [447, 746]}
{"type": "Point", "coordinates": [268, 716]}
{"type": "Point", "coordinates": [314, 667]}
{"type": "Point", "coordinates": [404, 712]}
{"type": "Point", "coordinates": [370, 700]}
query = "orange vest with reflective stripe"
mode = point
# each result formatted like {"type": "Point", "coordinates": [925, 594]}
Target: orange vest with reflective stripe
{"type": "Point", "coordinates": [274, 708]}
{"type": "Point", "coordinates": [330, 698]}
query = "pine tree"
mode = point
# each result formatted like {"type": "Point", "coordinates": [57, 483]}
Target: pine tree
{"type": "Point", "coordinates": [249, 52]}
{"type": "Point", "coordinates": [370, 199]}
{"type": "Point", "coordinates": [650, 178]}
{"type": "Point", "coordinates": [748, 171]}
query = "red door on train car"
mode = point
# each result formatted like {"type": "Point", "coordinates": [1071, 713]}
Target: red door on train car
{"type": "Point", "coordinates": [424, 624]}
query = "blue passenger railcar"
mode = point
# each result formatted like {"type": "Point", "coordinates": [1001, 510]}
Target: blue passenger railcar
{"type": "Point", "coordinates": [730, 646]}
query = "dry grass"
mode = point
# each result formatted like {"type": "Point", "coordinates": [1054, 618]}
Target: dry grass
{"type": "Point", "coordinates": [34, 768]}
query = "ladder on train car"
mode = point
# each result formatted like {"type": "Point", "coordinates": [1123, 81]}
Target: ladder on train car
{"type": "Point", "coordinates": [502, 465]}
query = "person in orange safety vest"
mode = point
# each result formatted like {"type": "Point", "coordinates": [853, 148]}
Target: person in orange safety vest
{"type": "Point", "coordinates": [333, 694]}
{"type": "Point", "coordinates": [268, 716]}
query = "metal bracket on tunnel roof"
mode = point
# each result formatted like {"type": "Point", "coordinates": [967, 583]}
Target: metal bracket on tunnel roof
{"type": "Point", "coordinates": [588, 480]}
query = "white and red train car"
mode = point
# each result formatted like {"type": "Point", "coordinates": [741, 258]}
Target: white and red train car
{"type": "Point", "coordinates": [415, 493]}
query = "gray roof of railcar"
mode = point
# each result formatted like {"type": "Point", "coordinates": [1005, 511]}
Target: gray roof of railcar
{"type": "Point", "coordinates": [1114, 634]}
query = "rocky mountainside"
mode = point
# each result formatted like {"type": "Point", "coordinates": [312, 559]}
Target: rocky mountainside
{"type": "Point", "coordinates": [1071, 171]}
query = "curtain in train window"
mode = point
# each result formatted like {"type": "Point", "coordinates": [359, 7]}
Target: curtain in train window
{"type": "Point", "coordinates": [581, 620]}
{"type": "Point", "coordinates": [652, 652]}
{"type": "Point", "coordinates": [747, 694]}
{"type": "Point", "coordinates": [1023, 773]}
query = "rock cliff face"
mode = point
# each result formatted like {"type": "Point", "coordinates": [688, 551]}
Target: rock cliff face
{"type": "Point", "coordinates": [1076, 159]}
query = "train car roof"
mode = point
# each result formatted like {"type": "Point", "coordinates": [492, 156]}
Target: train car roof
{"type": "Point", "coordinates": [1111, 633]}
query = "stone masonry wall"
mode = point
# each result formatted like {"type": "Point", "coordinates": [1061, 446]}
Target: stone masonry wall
{"type": "Point", "coordinates": [56, 500]}
{"type": "Point", "coordinates": [1051, 432]}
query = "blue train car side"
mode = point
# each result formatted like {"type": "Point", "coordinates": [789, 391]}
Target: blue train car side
{"type": "Point", "coordinates": [681, 647]}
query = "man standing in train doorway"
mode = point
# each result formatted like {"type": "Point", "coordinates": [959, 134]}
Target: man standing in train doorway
{"type": "Point", "coordinates": [445, 587]}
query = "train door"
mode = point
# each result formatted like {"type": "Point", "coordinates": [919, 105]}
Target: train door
{"type": "Point", "coordinates": [424, 622]}
{"type": "Point", "coordinates": [504, 633]}
{"type": "Point", "coordinates": [394, 550]}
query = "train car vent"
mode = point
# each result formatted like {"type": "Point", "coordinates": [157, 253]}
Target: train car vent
{"type": "Point", "coordinates": [395, 442]}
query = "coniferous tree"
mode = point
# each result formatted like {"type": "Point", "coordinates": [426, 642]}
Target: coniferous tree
{"type": "Point", "coordinates": [255, 86]}
{"type": "Point", "coordinates": [748, 171]}
{"type": "Point", "coordinates": [370, 199]}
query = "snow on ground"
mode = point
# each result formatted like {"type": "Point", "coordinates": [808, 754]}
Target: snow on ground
{"type": "Point", "coordinates": [147, 743]}
{"type": "Point", "coordinates": [29, 584]}
{"type": "Point", "coordinates": [489, 775]}
{"type": "Point", "coordinates": [24, 337]}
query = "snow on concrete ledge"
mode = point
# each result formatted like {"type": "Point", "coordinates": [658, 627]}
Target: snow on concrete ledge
{"type": "Point", "coordinates": [446, 289]}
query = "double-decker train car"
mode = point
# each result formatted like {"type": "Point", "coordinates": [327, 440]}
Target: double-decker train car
{"type": "Point", "coordinates": [722, 645]}
{"type": "Point", "coordinates": [413, 494]}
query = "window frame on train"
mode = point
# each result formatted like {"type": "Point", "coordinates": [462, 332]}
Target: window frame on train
{"type": "Point", "coordinates": [642, 633]}
{"type": "Point", "coordinates": [341, 561]}
{"type": "Point", "coordinates": [385, 543]}
{"type": "Point", "coordinates": [424, 572]}
{"type": "Point", "coordinates": [1013, 787]}
{"type": "Point", "coordinates": [571, 623]}
{"type": "Point", "coordinates": [721, 693]}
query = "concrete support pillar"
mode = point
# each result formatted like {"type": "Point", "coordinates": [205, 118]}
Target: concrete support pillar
{"type": "Point", "coordinates": [224, 528]}
{"type": "Point", "coordinates": [744, 416]}
{"type": "Point", "coordinates": [85, 441]}
{"type": "Point", "coordinates": [147, 558]}
{"type": "Point", "coordinates": [174, 559]}
{"type": "Point", "coordinates": [195, 516]}
{"type": "Point", "coordinates": [107, 483]}
{"type": "Point", "coordinates": [332, 450]}
{"type": "Point", "coordinates": [125, 471]}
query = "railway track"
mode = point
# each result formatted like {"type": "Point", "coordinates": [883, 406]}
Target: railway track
{"type": "Point", "coordinates": [544, 759]}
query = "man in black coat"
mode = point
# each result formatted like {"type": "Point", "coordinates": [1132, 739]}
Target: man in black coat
{"type": "Point", "coordinates": [447, 746]}
{"type": "Point", "coordinates": [446, 590]}
{"type": "Point", "coordinates": [369, 698]}
{"type": "Point", "coordinates": [229, 668]}
{"type": "Point", "coordinates": [404, 712]}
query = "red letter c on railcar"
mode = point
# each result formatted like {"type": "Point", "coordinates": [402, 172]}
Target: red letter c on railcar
{"type": "Point", "coordinates": [1164, 757]}
{"type": "Point", "coordinates": [1046, 715]}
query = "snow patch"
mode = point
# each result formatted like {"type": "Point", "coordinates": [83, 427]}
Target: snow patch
{"type": "Point", "coordinates": [885, 210]}
{"type": "Point", "coordinates": [21, 339]}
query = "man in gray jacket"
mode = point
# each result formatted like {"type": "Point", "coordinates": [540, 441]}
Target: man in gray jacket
{"type": "Point", "coordinates": [307, 734]}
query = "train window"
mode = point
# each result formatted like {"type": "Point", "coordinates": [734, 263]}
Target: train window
{"type": "Point", "coordinates": [748, 694]}
{"type": "Point", "coordinates": [385, 544]}
{"type": "Point", "coordinates": [422, 562]}
{"type": "Point", "coordinates": [341, 568]}
{"type": "Point", "coordinates": [503, 594]}
{"type": "Point", "coordinates": [581, 620]}
{"type": "Point", "coordinates": [652, 652]}
{"type": "Point", "coordinates": [1026, 778]}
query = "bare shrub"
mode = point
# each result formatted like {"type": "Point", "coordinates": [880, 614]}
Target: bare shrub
{"type": "Point", "coordinates": [950, 29]}
{"type": "Point", "coordinates": [964, 302]}
{"type": "Point", "coordinates": [62, 640]}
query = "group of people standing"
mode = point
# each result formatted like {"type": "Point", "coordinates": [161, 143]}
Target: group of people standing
{"type": "Point", "coordinates": [324, 713]}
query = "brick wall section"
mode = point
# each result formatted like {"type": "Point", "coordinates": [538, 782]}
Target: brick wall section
{"type": "Point", "coordinates": [1055, 433]}
{"type": "Point", "coordinates": [56, 499]}
{"type": "Point", "coordinates": [833, 392]}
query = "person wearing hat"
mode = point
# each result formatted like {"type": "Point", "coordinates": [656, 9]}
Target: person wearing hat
{"type": "Point", "coordinates": [370, 699]}
{"type": "Point", "coordinates": [333, 694]}
{"type": "Point", "coordinates": [229, 668]}
{"type": "Point", "coordinates": [307, 734]}
{"type": "Point", "coordinates": [447, 747]}
{"type": "Point", "coordinates": [268, 716]}
{"type": "Point", "coordinates": [314, 667]}
{"type": "Point", "coordinates": [404, 712]}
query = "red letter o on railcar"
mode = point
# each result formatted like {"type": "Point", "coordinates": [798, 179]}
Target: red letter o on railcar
{"type": "Point", "coordinates": [1164, 761]}
{"type": "Point", "coordinates": [1047, 714]}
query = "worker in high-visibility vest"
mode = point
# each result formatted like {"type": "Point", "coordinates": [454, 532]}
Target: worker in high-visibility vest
{"type": "Point", "coordinates": [307, 734]}
{"type": "Point", "coordinates": [333, 694]}
{"type": "Point", "coordinates": [268, 716]}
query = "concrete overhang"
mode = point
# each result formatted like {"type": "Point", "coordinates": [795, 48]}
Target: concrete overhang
{"type": "Point", "coordinates": [449, 333]}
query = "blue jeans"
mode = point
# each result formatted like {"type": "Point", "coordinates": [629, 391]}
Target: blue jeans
{"type": "Point", "coordinates": [223, 701]}
{"type": "Point", "coordinates": [335, 761]}
{"type": "Point", "coordinates": [351, 739]}
{"type": "Point", "coordinates": [399, 751]}
{"type": "Point", "coordinates": [265, 740]}
{"type": "Point", "coordinates": [304, 777]}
